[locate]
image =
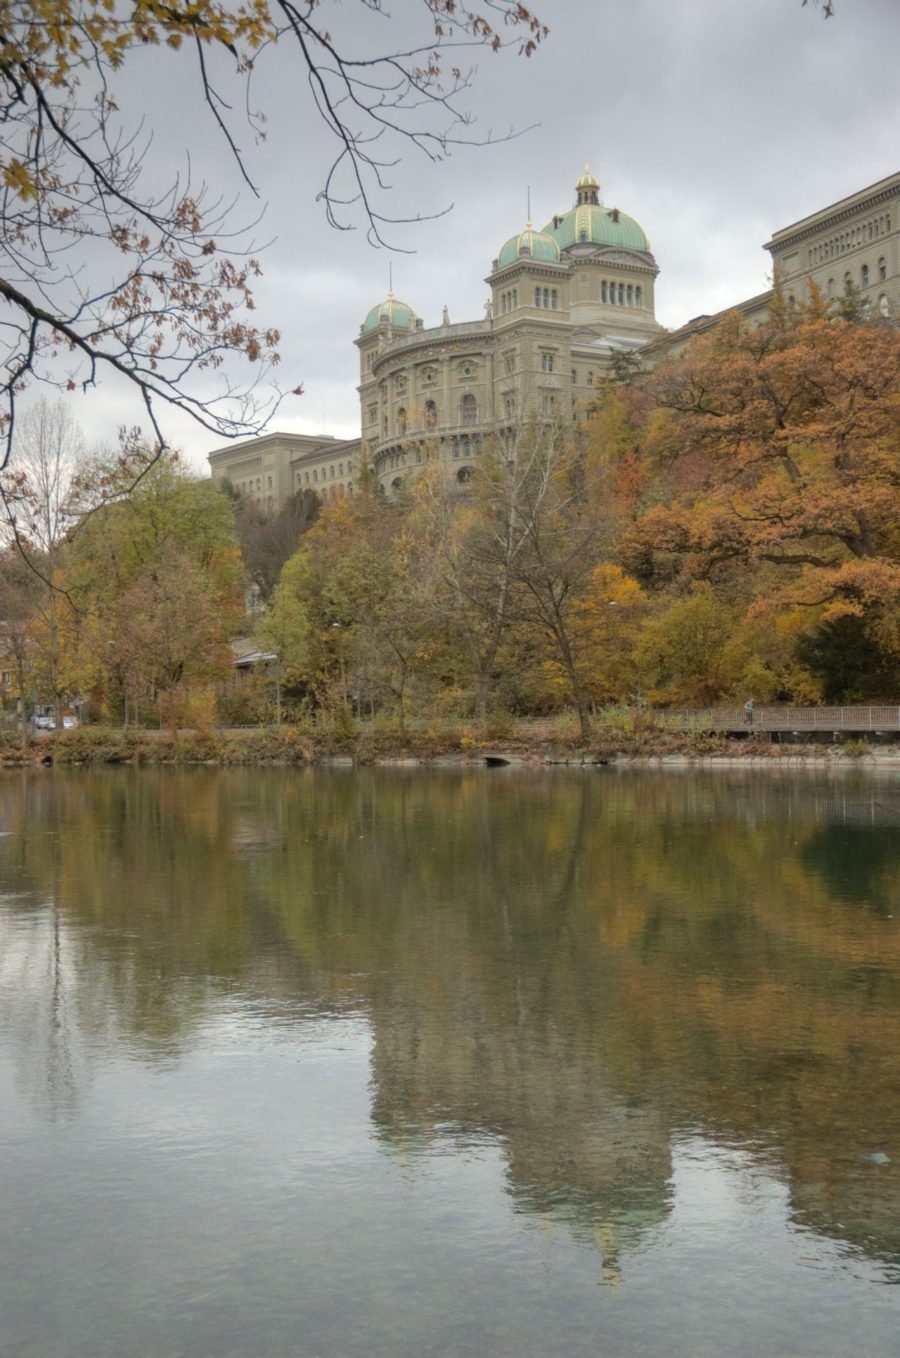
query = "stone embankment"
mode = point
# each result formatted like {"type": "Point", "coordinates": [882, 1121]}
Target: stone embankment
{"type": "Point", "coordinates": [504, 744]}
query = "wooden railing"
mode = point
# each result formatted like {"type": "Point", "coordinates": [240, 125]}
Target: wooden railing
{"type": "Point", "coordinates": [884, 718]}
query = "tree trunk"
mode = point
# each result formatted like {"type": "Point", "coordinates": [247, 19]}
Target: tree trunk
{"type": "Point", "coordinates": [486, 671]}
{"type": "Point", "coordinates": [581, 704]}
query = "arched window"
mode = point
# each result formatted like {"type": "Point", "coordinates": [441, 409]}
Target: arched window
{"type": "Point", "coordinates": [401, 420]}
{"type": "Point", "coordinates": [629, 294]}
{"type": "Point", "coordinates": [864, 276]}
{"type": "Point", "coordinates": [340, 469]}
{"type": "Point", "coordinates": [792, 302]}
{"type": "Point", "coordinates": [396, 484]}
{"type": "Point", "coordinates": [882, 270]}
{"type": "Point", "coordinates": [848, 283]}
{"type": "Point", "coordinates": [831, 287]}
{"type": "Point", "coordinates": [537, 296]}
{"type": "Point", "coordinates": [469, 409]}
{"type": "Point", "coordinates": [431, 415]}
{"type": "Point", "coordinates": [621, 294]}
{"type": "Point", "coordinates": [547, 298]}
{"type": "Point", "coordinates": [464, 475]}
{"type": "Point", "coordinates": [554, 299]}
{"type": "Point", "coordinates": [638, 296]}
{"type": "Point", "coordinates": [590, 379]}
{"type": "Point", "coordinates": [603, 291]}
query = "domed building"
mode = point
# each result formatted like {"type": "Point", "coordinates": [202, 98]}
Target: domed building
{"type": "Point", "coordinates": [564, 300]}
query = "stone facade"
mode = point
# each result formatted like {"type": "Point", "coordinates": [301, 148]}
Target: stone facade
{"type": "Point", "coordinates": [272, 467]}
{"type": "Point", "coordinates": [563, 301]}
{"type": "Point", "coordinates": [853, 244]}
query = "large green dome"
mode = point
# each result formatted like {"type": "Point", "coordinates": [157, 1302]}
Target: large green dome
{"type": "Point", "coordinates": [590, 223]}
{"type": "Point", "coordinates": [593, 224]}
{"type": "Point", "coordinates": [530, 243]}
{"type": "Point", "coordinates": [393, 311]}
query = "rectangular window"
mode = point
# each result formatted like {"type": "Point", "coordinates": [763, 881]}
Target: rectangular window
{"type": "Point", "coordinates": [547, 363]}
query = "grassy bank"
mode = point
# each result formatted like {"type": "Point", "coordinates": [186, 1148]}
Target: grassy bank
{"type": "Point", "coordinates": [371, 742]}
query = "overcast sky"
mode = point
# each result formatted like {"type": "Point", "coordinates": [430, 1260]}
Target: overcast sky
{"type": "Point", "coordinates": [712, 122]}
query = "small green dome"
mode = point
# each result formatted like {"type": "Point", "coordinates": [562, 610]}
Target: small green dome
{"type": "Point", "coordinates": [593, 224]}
{"type": "Point", "coordinates": [530, 243]}
{"type": "Point", "coordinates": [393, 311]}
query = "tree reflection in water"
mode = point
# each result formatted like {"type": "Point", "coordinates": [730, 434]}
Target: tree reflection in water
{"type": "Point", "coordinates": [581, 967]}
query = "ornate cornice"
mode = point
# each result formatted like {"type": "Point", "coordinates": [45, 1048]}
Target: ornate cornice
{"type": "Point", "coordinates": [844, 212]}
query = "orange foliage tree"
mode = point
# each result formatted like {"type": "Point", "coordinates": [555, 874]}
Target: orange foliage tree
{"type": "Point", "coordinates": [778, 461]}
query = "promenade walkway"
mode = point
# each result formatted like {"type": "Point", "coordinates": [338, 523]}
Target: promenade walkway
{"type": "Point", "coordinates": [795, 720]}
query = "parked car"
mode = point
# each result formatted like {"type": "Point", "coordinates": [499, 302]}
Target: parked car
{"type": "Point", "coordinates": [41, 722]}
{"type": "Point", "coordinates": [69, 722]}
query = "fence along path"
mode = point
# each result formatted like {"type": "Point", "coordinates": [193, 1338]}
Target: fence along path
{"type": "Point", "coordinates": [848, 719]}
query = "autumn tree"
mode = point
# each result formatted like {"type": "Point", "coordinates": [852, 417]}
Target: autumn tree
{"type": "Point", "coordinates": [545, 526]}
{"type": "Point", "coordinates": [778, 454]}
{"type": "Point", "coordinates": [20, 591]}
{"type": "Point", "coordinates": [133, 628]}
{"type": "Point", "coordinates": [352, 606]}
{"type": "Point", "coordinates": [270, 537]}
{"type": "Point", "coordinates": [106, 273]}
{"type": "Point", "coordinates": [41, 492]}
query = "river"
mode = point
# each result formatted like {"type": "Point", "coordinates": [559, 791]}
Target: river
{"type": "Point", "coordinates": [494, 1062]}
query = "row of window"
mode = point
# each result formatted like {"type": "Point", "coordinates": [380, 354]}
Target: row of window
{"type": "Point", "coordinates": [336, 492]}
{"type": "Point", "coordinates": [589, 380]}
{"type": "Point", "coordinates": [509, 301]}
{"type": "Point", "coordinates": [468, 414]}
{"type": "Point", "coordinates": [548, 405]}
{"type": "Point", "coordinates": [849, 239]}
{"type": "Point", "coordinates": [328, 473]}
{"type": "Point", "coordinates": [248, 487]}
{"type": "Point", "coordinates": [621, 294]}
{"type": "Point", "coordinates": [864, 279]}
{"type": "Point", "coordinates": [548, 298]}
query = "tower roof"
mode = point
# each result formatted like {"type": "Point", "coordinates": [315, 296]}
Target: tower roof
{"type": "Point", "coordinates": [393, 311]}
{"type": "Point", "coordinates": [590, 222]}
{"type": "Point", "coordinates": [529, 243]}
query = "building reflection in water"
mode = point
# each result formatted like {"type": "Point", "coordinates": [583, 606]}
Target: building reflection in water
{"type": "Point", "coordinates": [577, 968]}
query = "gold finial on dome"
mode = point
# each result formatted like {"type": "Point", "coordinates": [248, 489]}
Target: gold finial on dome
{"type": "Point", "coordinates": [587, 188]}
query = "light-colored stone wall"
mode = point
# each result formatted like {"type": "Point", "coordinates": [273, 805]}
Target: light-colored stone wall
{"type": "Point", "coordinates": [272, 467]}
{"type": "Point", "coordinates": [855, 243]}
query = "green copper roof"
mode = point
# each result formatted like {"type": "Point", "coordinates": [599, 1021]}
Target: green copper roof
{"type": "Point", "coordinates": [393, 311]}
{"type": "Point", "coordinates": [530, 243]}
{"type": "Point", "coordinates": [593, 224]}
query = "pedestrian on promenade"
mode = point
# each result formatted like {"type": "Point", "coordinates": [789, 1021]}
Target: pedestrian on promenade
{"type": "Point", "coordinates": [748, 711]}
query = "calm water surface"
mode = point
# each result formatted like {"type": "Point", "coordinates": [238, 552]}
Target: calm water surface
{"type": "Point", "coordinates": [409, 1063]}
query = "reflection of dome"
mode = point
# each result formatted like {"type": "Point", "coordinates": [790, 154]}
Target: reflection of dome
{"type": "Point", "coordinates": [393, 311]}
{"type": "Point", "coordinates": [590, 223]}
{"type": "Point", "coordinates": [534, 244]}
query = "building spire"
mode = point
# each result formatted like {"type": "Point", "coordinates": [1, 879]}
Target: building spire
{"type": "Point", "coordinates": [587, 189]}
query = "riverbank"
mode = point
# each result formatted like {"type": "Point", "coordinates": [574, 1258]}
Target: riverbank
{"type": "Point", "coordinates": [372, 743]}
